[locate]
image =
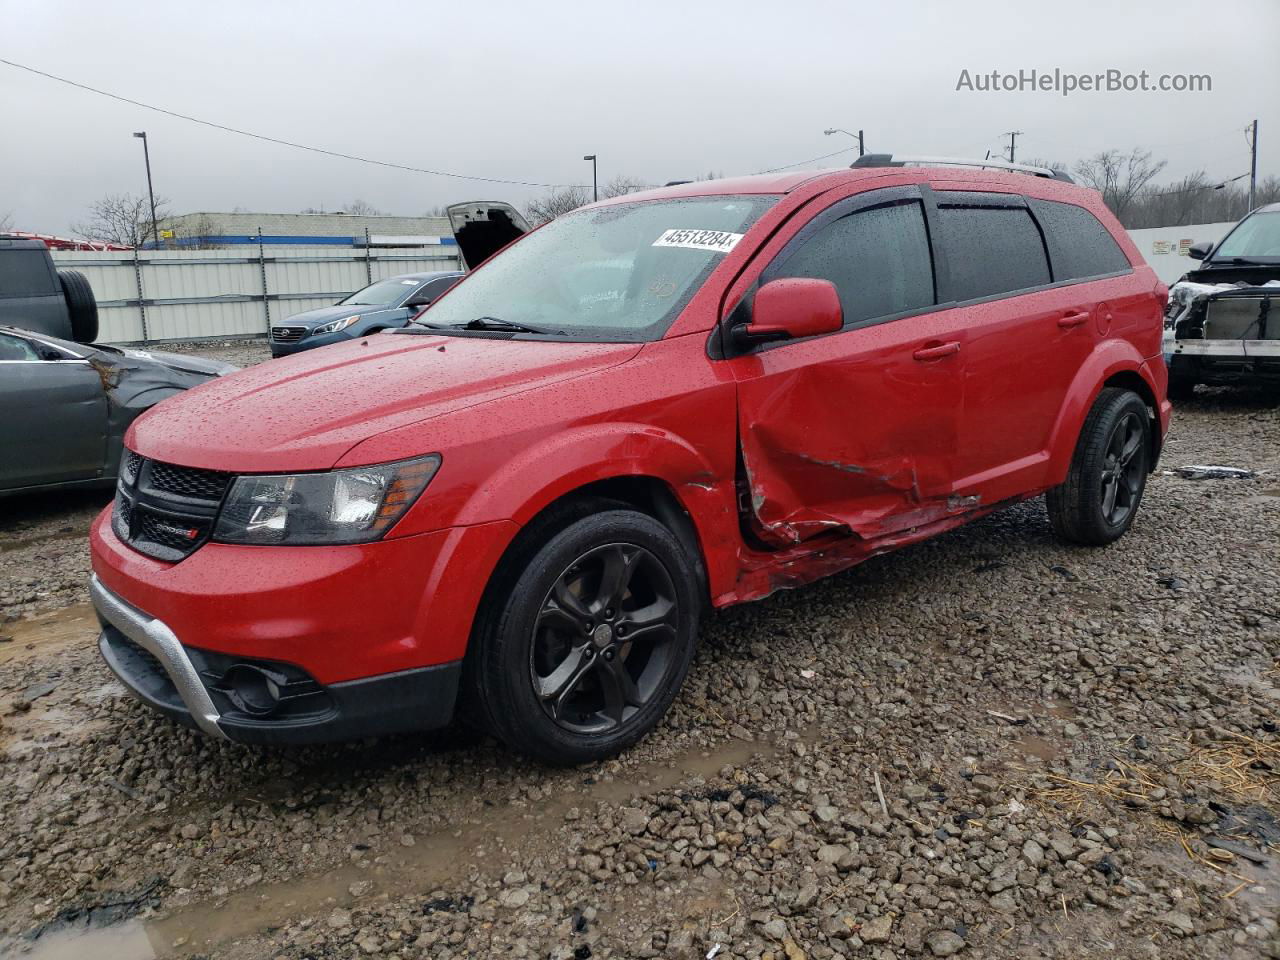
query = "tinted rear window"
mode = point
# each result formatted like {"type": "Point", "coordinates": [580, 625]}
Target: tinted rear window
{"type": "Point", "coordinates": [1079, 245]}
{"type": "Point", "coordinates": [991, 250]}
{"type": "Point", "coordinates": [26, 273]}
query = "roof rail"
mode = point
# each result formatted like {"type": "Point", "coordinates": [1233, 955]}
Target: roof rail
{"type": "Point", "coordinates": [890, 160]}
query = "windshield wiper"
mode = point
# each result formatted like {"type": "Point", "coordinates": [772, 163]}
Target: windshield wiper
{"type": "Point", "coordinates": [494, 323]}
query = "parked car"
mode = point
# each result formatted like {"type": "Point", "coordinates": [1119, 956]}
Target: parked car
{"type": "Point", "coordinates": [675, 400]}
{"type": "Point", "coordinates": [34, 295]}
{"type": "Point", "coordinates": [67, 405]}
{"type": "Point", "coordinates": [1220, 327]}
{"type": "Point", "coordinates": [383, 305]}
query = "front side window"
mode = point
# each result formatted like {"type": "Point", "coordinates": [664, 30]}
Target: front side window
{"type": "Point", "coordinates": [384, 293]}
{"type": "Point", "coordinates": [878, 258]}
{"type": "Point", "coordinates": [617, 273]}
{"type": "Point", "coordinates": [1079, 245]}
{"type": "Point", "coordinates": [1257, 237]}
{"type": "Point", "coordinates": [991, 250]}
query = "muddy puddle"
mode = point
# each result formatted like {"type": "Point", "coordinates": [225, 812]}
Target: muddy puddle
{"type": "Point", "coordinates": [42, 635]}
{"type": "Point", "coordinates": [434, 862]}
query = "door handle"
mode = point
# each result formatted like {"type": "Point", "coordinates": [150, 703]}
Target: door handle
{"type": "Point", "coordinates": [1073, 319]}
{"type": "Point", "coordinates": [937, 351]}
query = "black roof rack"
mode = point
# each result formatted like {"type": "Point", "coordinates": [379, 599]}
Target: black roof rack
{"type": "Point", "coordinates": [890, 160]}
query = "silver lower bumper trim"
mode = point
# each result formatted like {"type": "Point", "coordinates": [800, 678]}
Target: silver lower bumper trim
{"type": "Point", "coordinates": [156, 638]}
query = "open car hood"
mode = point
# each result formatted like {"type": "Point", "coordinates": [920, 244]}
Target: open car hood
{"type": "Point", "coordinates": [483, 227]}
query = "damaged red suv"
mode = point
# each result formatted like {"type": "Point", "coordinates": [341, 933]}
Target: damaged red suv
{"type": "Point", "coordinates": [518, 507]}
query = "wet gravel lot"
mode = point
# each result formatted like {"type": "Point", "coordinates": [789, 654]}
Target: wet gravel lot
{"type": "Point", "coordinates": [988, 745]}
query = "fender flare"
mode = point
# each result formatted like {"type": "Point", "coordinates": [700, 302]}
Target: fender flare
{"type": "Point", "coordinates": [1107, 360]}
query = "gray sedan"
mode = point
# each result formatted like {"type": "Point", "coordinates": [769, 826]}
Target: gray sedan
{"type": "Point", "coordinates": [67, 405]}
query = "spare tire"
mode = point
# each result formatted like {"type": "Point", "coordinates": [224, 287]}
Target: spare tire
{"type": "Point", "coordinates": [81, 305]}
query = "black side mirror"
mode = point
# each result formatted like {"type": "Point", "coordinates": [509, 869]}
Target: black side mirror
{"type": "Point", "coordinates": [1198, 251]}
{"type": "Point", "coordinates": [418, 301]}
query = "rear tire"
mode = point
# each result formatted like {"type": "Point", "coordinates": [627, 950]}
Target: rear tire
{"type": "Point", "coordinates": [1100, 497]}
{"type": "Point", "coordinates": [586, 635]}
{"type": "Point", "coordinates": [82, 306]}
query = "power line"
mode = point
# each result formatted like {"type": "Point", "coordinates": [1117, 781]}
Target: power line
{"type": "Point", "coordinates": [801, 163]}
{"type": "Point", "coordinates": [277, 140]}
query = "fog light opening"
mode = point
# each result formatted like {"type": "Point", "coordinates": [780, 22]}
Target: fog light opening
{"type": "Point", "coordinates": [252, 689]}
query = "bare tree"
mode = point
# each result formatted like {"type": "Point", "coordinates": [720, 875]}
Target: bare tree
{"type": "Point", "coordinates": [1119, 177]}
{"type": "Point", "coordinates": [561, 200]}
{"type": "Point", "coordinates": [6, 221]}
{"type": "Point", "coordinates": [362, 208]}
{"type": "Point", "coordinates": [200, 233]}
{"type": "Point", "coordinates": [121, 218]}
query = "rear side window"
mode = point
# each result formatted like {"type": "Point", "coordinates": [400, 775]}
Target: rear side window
{"type": "Point", "coordinates": [991, 250]}
{"type": "Point", "coordinates": [26, 273]}
{"type": "Point", "coordinates": [878, 259]}
{"type": "Point", "coordinates": [1079, 245]}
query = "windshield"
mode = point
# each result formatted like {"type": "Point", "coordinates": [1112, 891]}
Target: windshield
{"type": "Point", "coordinates": [384, 293]}
{"type": "Point", "coordinates": [621, 272]}
{"type": "Point", "coordinates": [1256, 238]}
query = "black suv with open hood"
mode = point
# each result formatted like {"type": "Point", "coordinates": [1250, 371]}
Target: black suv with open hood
{"type": "Point", "coordinates": [1220, 327]}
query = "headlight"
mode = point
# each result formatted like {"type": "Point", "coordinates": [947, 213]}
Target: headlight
{"type": "Point", "coordinates": [333, 326]}
{"type": "Point", "coordinates": [340, 506]}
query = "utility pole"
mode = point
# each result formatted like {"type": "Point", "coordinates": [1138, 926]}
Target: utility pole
{"type": "Point", "coordinates": [1013, 143]}
{"type": "Point", "coordinates": [859, 137]}
{"type": "Point", "coordinates": [595, 189]}
{"type": "Point", "coordinates": [1253, 165]}
{"type": "Point", "coordinates": [146, 154]}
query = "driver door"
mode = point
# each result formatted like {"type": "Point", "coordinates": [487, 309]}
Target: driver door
{"type": "Point", "coordinates": [857, 430]}
{"type": "Point", "coordinates": [54, 427]}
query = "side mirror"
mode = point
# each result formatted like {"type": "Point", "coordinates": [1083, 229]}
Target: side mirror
{"type": "Point", "coordinates": [1198, 251]}
{"type": "Point", "coordinates": [415, 302]}
{"type": "Point", "coordinates": [789, 309]}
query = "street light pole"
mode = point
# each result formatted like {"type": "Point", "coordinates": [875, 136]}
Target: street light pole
{"type": "Point", "coordinates": [1253, 165]}
{"type": "Point", "coordinates": [595, 190]}
{"type": "Point", "coordinates": [151, 194]}
{"type": "Point", "coordinates": [858, 137]}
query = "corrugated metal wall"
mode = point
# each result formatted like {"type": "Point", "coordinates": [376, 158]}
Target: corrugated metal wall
{"type": "Point", "coordinates": [160, 295]}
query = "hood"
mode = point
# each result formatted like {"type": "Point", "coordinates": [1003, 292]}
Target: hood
{"type": "Point", "coordinates": [305, 411]}
{"type": "Point", "coordinates": [180, 362]}
{"type": "Point", "coordinates": [1253, 274]}
{"type": "Point", "coordinates": [313, 318]}
{"type": "Point", "coordinates": [483, 227]}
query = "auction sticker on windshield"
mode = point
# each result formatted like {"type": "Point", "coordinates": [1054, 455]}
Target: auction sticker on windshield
{"type": "Point", "coordinates": [717, 241]}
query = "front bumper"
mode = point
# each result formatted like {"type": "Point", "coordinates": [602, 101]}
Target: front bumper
{"type": "Point", "coordinates": [1224, 362]}
{"type": "Point", "coordinates": [190, 686]}
{"type": "Point", "coordinates": [308, 342]}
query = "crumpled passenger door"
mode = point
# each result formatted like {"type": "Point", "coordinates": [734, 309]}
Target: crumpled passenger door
{"type": "Point", "coordinates": [857, 430]}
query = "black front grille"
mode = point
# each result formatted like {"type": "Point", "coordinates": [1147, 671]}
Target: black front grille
{"type": "Point", "coordinates": [165, 510]}
{"type": "Point", "coordinates": [287, 334]}
{"type": "Point", "coordinates": [189, 481]}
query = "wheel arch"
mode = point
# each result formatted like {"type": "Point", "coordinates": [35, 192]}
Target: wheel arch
{"type": "Point", "coordinates": [1113, 363]}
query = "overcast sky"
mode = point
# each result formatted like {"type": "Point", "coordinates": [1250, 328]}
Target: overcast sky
{"type": "Point", "coordinates": [661, 90]}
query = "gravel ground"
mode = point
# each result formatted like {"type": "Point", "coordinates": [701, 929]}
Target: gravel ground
{"type": "Point", "coordinates": [988, 745]}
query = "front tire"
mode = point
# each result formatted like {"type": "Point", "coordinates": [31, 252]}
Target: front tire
{"type": "Point", "coordinates": [586, 636]}
{"type": "Point", "coordinates": [1098, 501]}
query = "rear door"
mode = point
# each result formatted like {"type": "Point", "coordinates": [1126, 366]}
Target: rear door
{"type": "Point", "coordinates": [857, 430]}
{"type": "Point", "coordinates": [31, 295]}
{"type": "Point", "coordinates": [54, 427]}
{"type": "Point", "coordinates": [1026, 339]}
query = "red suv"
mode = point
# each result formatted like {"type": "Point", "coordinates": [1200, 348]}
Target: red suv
{"type": "Point", "coordinates": [518, 507]}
